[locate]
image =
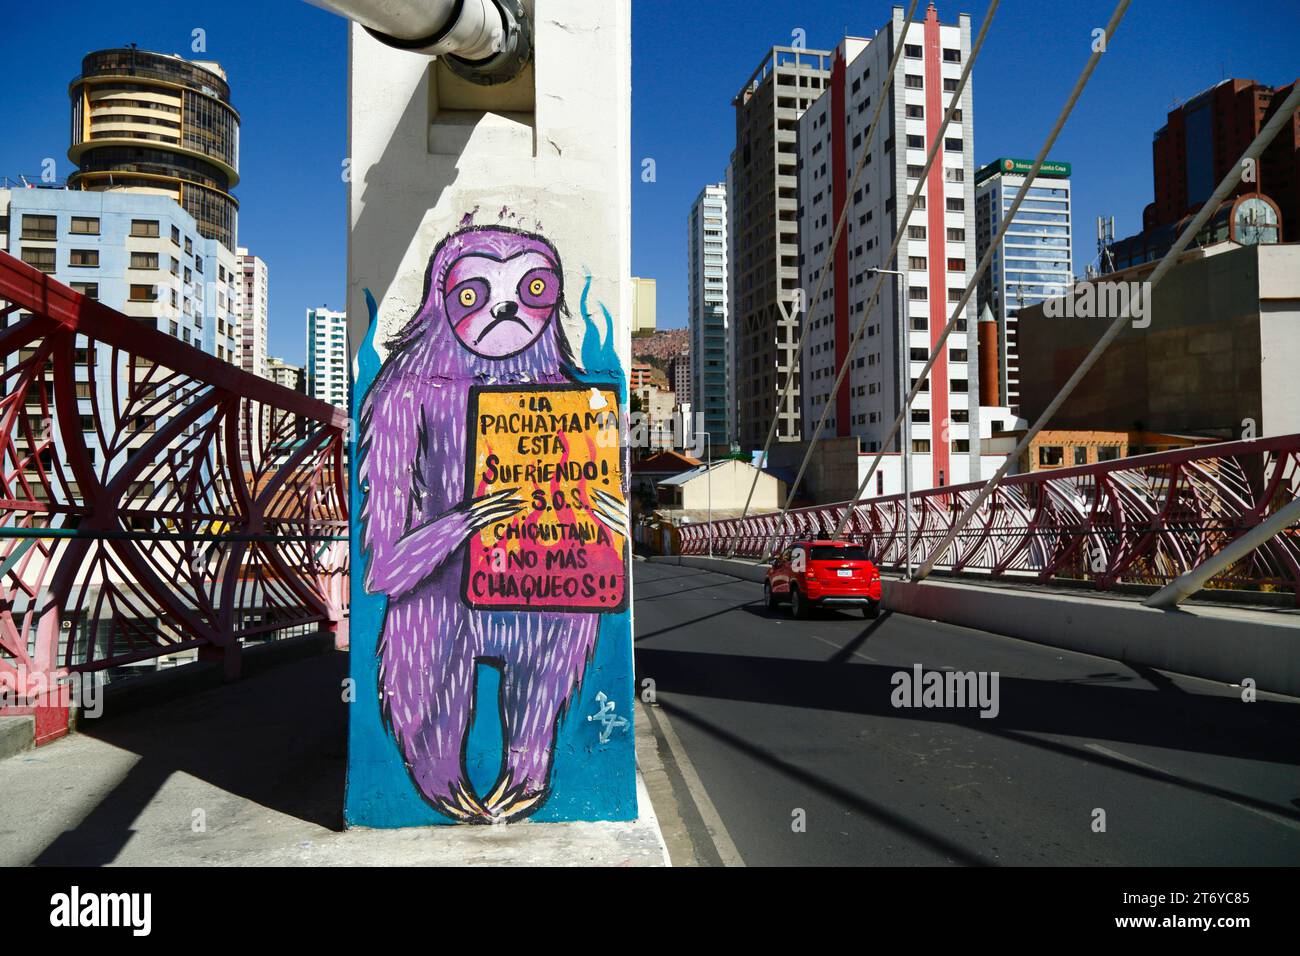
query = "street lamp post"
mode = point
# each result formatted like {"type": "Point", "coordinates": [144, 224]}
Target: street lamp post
{"type": "Point", "coordinates": [904, 387]}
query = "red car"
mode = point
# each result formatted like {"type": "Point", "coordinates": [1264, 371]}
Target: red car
{"type": "Point", "coordinates": [812, 574]}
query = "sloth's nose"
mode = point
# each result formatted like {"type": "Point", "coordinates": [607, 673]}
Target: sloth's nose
{"type": "Point", "coordinates": [505, 310]}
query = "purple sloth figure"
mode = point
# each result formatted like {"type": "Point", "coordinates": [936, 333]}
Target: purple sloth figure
{"type": "Point", "coordinates": [490, 312]}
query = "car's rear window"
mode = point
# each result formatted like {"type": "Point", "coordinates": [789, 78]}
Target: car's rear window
{"type": "Point", "coordinates": [852, 552]}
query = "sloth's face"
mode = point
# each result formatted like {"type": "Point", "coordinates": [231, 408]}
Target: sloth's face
{"type": "Point", "coordinates": [498, 308]}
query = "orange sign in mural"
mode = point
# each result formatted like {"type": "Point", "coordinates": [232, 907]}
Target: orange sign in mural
{"type": "Point", "coordinates": [553, 451]}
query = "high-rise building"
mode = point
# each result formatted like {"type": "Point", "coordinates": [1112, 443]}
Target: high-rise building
{"type": "Point", "coordinates": [141, 255]}
{"type": "Point", "coordinates": [1201, 142]}
{"type": "Point", "coordinates": [157, 123]}
{"type": "Point", "coordinates": [764, 220]}
{"type": "Point", "coordinates": [253, 313]}
{"type": "Point", "coordinates": [253, 302]}
{"type": "Point", "coordinates": [1205, 137]}
{"type": "Point", "coordinates": [285, 374]}
{"type": "Point", "coordinates": [937, 255]}
{"type": "Point", "coordinates": [327, 356]}
{"type": "Point", "coordinates": [291, 377]}
{"type": "Point", "coordinates": [680, 377]}
{"type": "Point", "coordinates": [711, 383]}
{"type": "Point", "coordinates": [1034, 259]}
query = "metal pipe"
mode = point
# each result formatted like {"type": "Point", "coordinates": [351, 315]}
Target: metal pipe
{"type": "Point", "coordinates": [1185, 585]}
{"type": "Point", "coordinates": [487, 41]}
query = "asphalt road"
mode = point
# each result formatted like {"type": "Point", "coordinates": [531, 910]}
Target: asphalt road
{"type": "Point", "coordinates": [777, 723]}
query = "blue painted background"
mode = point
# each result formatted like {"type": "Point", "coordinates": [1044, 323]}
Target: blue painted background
{"type": "Point", "coordinates": [589, 780]}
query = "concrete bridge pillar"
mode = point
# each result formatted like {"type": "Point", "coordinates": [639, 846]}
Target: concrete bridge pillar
{"type": "Point", "coordinates": [489, 303]}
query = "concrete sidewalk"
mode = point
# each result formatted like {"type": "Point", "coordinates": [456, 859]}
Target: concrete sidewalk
{"type": "Point", "coordinates": [252, 774]}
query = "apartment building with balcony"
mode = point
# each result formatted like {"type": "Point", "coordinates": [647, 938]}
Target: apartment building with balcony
{"type": "Point", "coordinates": [327, 356]}
{"type": "Point", "coordinates": [142, 255]}
{"type": "Point", "coordinates": [936, 256]}
{"type": "Point", "coordinates": [762, 216]}
{"type": "Point", "coordinates": [712, 386]}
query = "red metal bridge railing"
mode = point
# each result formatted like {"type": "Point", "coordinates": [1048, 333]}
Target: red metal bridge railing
{"type": "Point", "coordinates": [1143, 520]}
{"type": "Point", "coordinates": [154, 500]}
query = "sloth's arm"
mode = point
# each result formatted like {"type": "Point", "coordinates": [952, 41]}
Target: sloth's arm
{"type": "Point", "coordinates": [401, 556]}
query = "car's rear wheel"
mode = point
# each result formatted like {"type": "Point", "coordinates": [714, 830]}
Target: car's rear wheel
{"type": "Point", "coordinates": [768, 597]}
{"type": "Point", "coordinates": [798, 603]}
{"type": "Point", "coordinates": [871, 610]}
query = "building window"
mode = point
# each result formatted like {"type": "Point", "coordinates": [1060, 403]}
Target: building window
{"type": "Point", "coordinates": [1050, 456]}
{"type": "Point", "coordinates": [918, 293]}
{"type": "Point", "coordinates": [916, 262]}
{"type": "Point", "coordinates": [912, 50]}
{"type": "Point", "coordinates": [144, 228]}
{"type": "Point", "coordinates": [1108, 452]}
{"type": "Point", "coordinates": [956, 235]}
{"type": "Point", "coordinates": [951, 56]}
{"type": "Point", "coordinates": [84, 226]}
{"type": "Point", "coordinates": [915, 142]}
{"type": "Point", "coordinates": [915, 111]}
{"type": "Point", "coordinates": [84, 258]}
{"type": "Point", "coordinates": [40, 227]}
{"type": "Point", "coordinates": [955, 204]}
{"type": "Point", "coordinates": [144, 293]}
{"type": "Point", "coordinates": [914, 82]}
{"type": "Point", "coordinates": [916, 232]}
{"type": "Point", "coordinates": [921, 446]}
{"type": "Point", "coordinates": [89, 289]}
{"type": "Point", "coordinates": [144, 260]}
{"type": "Point", "coordinates": [956, 265]}
{"type": "Point", "coordinates": [42, 259]}
{"type": "Point", "coordinates": [961, 445]}
{"type": "Point", "coordinates": [950, 84]}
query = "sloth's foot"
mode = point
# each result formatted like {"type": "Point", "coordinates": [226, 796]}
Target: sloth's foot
{"type": "Point", "coordinates": [510, 801]}
{"type": "Point", "coordinates": [461, 804]}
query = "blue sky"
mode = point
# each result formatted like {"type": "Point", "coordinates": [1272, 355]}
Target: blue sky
{"type": "Point", "coordinates": [287, 64]}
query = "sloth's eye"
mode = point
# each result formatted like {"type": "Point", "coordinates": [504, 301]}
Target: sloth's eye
{"type": "Point", "coordinates": [537, 286]}
{"type": "Point", "coordinates": [468, 297]}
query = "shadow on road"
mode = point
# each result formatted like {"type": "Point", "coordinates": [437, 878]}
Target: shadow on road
{"type": "Point", "coordinates": [1161, 717]}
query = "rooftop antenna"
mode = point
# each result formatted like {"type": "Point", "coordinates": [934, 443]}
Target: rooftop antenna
{"type": "Point", "coordinates": [1105, 240]}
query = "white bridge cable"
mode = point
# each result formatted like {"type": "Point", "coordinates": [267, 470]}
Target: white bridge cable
{"type": "Point", "coordinates": [839, 229]}
{"type": "Point", "coordinates": [1230, 181]}
{"type": "Point", "coordinates": [1120, 9]}
{"type": "Point", "coordinates": [874, 298]}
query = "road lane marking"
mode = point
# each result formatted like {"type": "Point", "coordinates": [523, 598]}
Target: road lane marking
{"type": "Point", "coordinates": [1116, 755]}
{"type": "Point", "coordinates": [865, 657]}
{"type": "Point", "coordinates": [713, 824]}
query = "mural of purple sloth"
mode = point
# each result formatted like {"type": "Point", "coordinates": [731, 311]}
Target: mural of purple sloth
{"type": "Point", "coordinates": [490, 313]}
